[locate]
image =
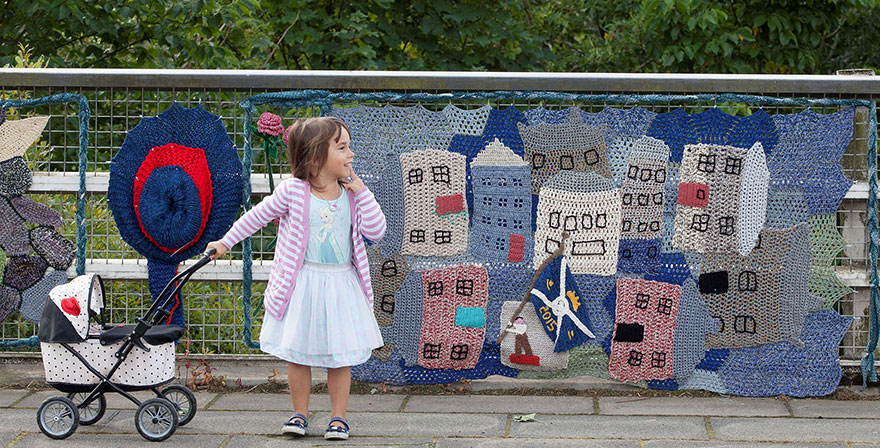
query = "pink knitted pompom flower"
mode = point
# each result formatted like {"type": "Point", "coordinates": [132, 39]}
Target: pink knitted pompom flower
{"type": "Point", "coordinates": [286, 137]}
{"type": "Point", "coordinates": [270, 124]}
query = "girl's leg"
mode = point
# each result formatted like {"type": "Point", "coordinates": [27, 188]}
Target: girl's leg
{"type": "Point", "coordinates": [339, 383]}
{"type": "Point", "coordinates": [299, 379]}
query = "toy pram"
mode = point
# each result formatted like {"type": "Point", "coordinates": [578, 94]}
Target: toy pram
{"type": "Point", "coordinates": [86, 361]}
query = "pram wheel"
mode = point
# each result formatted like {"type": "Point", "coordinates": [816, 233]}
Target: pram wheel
{"type": "Point", "coordinates": [184, 400]}
{"type": "Point", "coordinates": [58, 417]}
{"type": "Point", "coordinates": [156, 419]}
{"type": "Point", "coordinates": [90, 414]}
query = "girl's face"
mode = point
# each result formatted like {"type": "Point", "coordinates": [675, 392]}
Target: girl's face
{"type": "Point", "coordinates": [339, 157]}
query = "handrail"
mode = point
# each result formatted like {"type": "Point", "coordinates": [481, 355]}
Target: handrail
{"type": "Point", "coordinates": [793, 85]}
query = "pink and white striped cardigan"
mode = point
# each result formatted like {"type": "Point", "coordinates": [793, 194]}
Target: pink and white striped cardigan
{"type": "Point", "coordinates": [289, 204]}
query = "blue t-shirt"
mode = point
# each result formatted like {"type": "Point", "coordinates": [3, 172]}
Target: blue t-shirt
{"type": "Point", "coordinates": [329, 230]}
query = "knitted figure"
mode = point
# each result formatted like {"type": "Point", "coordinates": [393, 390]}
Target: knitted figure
{"type": "Point", "coordinates": [436, 220]}
{"type": "Point", "coordinates": [454, 317]}
{"type": "Point", "coordinates": [506, 283]}
{"type": "Point", "coordinates": [785, 369]}
{"type": "Point", "coordinates": [27, 227]}
{"type": "Point", "coordinates": [571, 146]}
{"type": "Point", "coordinates": [826, 243]}
{"type": "Point", "coordinates": [587, 206]}
{"type": "Point", "coordinates": [722, 198]}
{"type": "Point", "coordinates": [560, 306]}
{"type": "Point", "coordinates": [807, 157]}
{"type": "Point", "coordinates": [764, 297]}
{"type": "Point", "coordinates": [645, 323]}
{"type": "Point", "coordinates": [541, 355]}
{"type": "Point", "coordinates": [502, 207]}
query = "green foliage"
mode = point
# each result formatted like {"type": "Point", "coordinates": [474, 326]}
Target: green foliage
{"type": "Point", "coordinates": [777, 36]}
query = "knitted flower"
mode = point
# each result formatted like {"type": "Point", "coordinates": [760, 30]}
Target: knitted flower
{"type": "Point", "coordinates": [270, 124]}
{"type": "Point", "coordinates": [285, 138]}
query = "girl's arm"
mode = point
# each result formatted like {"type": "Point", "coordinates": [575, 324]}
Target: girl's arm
{"type": "Point", "coordinates": [270, 208]}
{"type": "Point", "coordinates": [372, 218]}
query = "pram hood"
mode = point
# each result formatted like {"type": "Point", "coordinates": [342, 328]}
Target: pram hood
{"type": "Point", "coordinates": [66, 315]}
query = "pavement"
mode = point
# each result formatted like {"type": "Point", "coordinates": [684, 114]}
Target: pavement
{"type": "Point", "coordinates": [444, 421]}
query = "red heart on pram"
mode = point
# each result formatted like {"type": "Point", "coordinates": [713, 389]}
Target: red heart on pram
{"type": "Point", "coordinates": [70, 306]}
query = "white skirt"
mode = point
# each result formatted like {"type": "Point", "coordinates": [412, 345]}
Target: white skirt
{"type": "Point", "coordinates": [328, 322]}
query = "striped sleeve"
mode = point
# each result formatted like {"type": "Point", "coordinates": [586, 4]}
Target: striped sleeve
{"type": "Point", "coordinates": [270, 208]}
{"type": "Point", "coordinates": [372, 218]}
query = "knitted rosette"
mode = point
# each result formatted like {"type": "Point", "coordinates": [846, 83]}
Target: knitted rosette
{"type": "Point", "coordinates": [23, 271]}
{"type": "Point", "coordinates": [58, 251]}
{"type": "Point", "coordinates": [175, 184]}
{"type": "Point", "coordinates": [15, 177]}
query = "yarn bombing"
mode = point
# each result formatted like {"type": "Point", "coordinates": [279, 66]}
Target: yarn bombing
{"type": "Point", "coordinates": [587, 206]}
{"type": "Point", "coordinates": [502, 215]}
{"type": "Point", "coordinates": [436, 220]}
{"type": "Point", "coordinates": [531, 349]}
{"type": "Point", "coordinates": [571, 146]}
{"type": "Point", "coordinates": [270, 124]}
{"type": "Point", "coordinates": [560, 306]}
{"type": "Point", "coordinates": [826, 243]}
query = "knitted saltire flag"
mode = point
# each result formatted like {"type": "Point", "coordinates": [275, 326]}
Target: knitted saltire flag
{"type": "Point", "coordinates": [560, 306]}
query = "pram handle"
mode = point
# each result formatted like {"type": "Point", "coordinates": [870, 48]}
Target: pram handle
{"type": "Point", "coordinates": [158, 310]}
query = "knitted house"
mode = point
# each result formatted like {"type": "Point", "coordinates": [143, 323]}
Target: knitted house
{"type": "Point", "coordinates": [436, 218]}
{"type": "Point", "coordinates": [387, 275]}
{"type": "Point", "coordinates": [454, 317]}
{"type": "Point", "coordinates": [642, 190]}
{"type": "Point", "coordinates": [551, 148]}
{"type": "Point", "coordinates": [502, 205]}
{"type": "Point", "coordinates": [762, 298]}
{"type": "Point", "coordinates": [644, 331]}
{"type": "Point", "coordinates": [722, 198]}
{"type": "Point", "coordinates": [587, 206]}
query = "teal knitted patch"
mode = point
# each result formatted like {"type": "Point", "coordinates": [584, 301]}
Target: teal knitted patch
{"type": "Point", "coordinates": [470, 317]}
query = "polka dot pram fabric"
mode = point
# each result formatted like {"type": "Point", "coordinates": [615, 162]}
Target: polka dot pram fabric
{"type": "Point", "coordinates": [66, 320]}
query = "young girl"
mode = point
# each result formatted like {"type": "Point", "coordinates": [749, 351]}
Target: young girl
{"type": "Point", "coordinates": [319, 297]}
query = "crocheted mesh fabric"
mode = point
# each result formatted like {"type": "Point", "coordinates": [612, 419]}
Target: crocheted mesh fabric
{"type": "Point", "coordinates": [807, 157]}
{"type": "Point", "coordinates": [711, 215]}
{"type": "Point", "coordinates": [502, 208]}
{"type": "Point", "coordinates": [436, 220]}
{"type": "Point", "coordinates": [786, 208]}
{"type": "Point", "coordinates": [453, 317]}
{"type": "Point", "coordinates": [390, 196]}
{"type": "Point", "coordinates": [670, 203]}
{"type": "Point", "coordinates": [645, 323]}
{"type": "Point", "coordinates": [691, 326]}
{"type": "Point", "coordinates": [642, 190]}
{"type": "Point", "coordinates": [785, 369]}
{"type": "Point", "coordinates": [826, 243]}
{"type": "Point", "coordinates": [532, 350]}
{"type": "Point", "coordinates": [58, 251]}
{"type": "Point", "coordinates": [10, 299]}
{"type": "Point", "coordinates": [587, 206]}
{"type": "Point", "coordinates": [764, 297]}
{"type": "Point", "coordinates": [467, 122]}
{"type": "Point", "coordinates": [33, 300]}
{"type": "Point", "coordinates": [15, 177]}
{"type": "Point", "coordinates": [13, 232]}
{"type": "Point", "coordinates": [571, 146]}
{"type": "Point", "coordinates": [506, 284]}
{"type": "Point", "coordinates": [407, 325]}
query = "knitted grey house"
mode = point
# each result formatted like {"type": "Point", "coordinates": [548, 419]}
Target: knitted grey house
{"type": "Point", "coordinates": [502, 205]}
{"type": "Point", "coordinates": [642, 190]}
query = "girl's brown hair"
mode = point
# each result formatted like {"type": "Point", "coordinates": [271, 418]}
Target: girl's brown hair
{"type": "Point", "coordinates": [307, 143]}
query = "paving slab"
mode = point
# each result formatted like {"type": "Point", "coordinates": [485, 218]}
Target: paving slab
{"type": "Point", "coordinates": [702, 444]}
{"type": "Point", "coordinates": [835, 409]}
{"type": "Point", "coordinates": [518, 442]}
{"type": "Point", "coordinates": [318, 440]}
{"type": "Point", "coordinates": [207, 422]}
{"type": "Point", "coordinates": [84, 440]}
{"type": "Point", "coordinates": [18, 420]}
{"type": "Point", "coordinates": [721, 406]}
{"type": "Point", "coordinates": [6, 437]}
{"type": "Point", "coordinates": [418, 425]}
{"type": "Point", "coordinates": [795, 429]}
{"type": "Point", "coordinates": [499, 404]}
{"type": "Point", "coordinates": [7, 397]}
{"type": "Point", "coordinates": [612, 427]}
{"type": "Point", "coordinates": [114, 400]}
{"type": "Point", "coordinates": [317, 402]}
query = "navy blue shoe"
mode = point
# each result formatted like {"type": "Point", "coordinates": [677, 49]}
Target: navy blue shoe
{"type": "Point", "coordinates": [298, 424]}
{"type": "Point", "coordinates": [335, 432]}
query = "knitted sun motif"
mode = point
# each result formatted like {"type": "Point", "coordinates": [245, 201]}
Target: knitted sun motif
{"type": "Point", "coordinates": [27, 227]}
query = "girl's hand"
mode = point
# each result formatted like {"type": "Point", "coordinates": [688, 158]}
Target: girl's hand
{"type": "Point", "coordinates": [356, 184]}
{"type": "Point", "coordinates": [218, 247]}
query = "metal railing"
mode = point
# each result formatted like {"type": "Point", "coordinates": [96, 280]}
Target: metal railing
{"type": "Point", "coordinates": [118, 99]}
